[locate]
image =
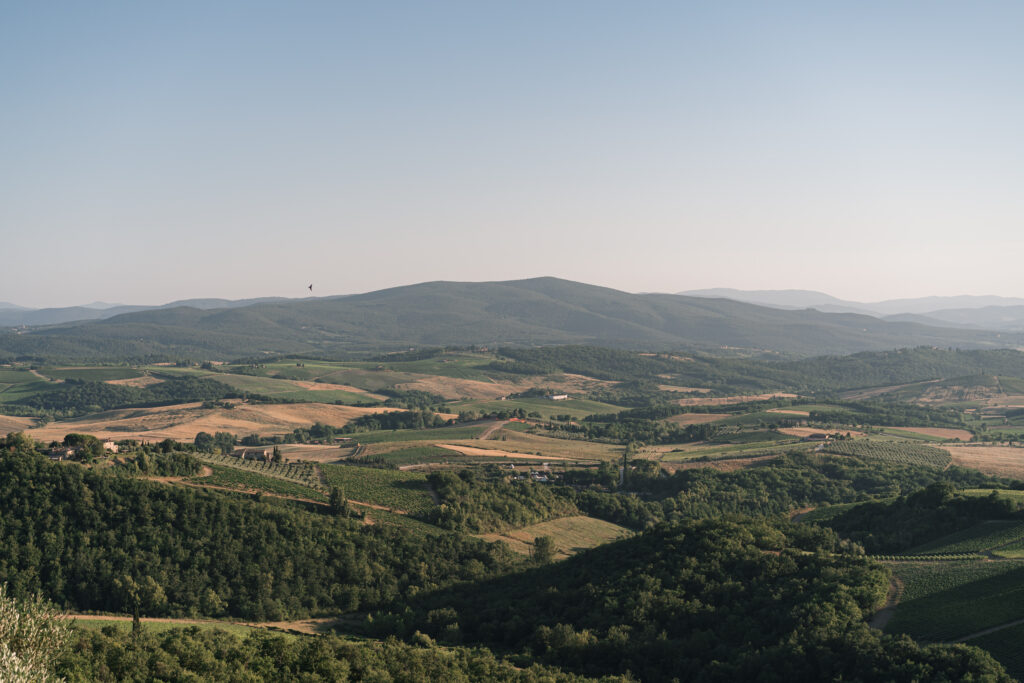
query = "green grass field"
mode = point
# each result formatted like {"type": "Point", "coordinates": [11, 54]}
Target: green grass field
{"type": "Point", "coordinates": [746, 438]}
{"type": "Point", "coordinates": [16, 376]}
{"type": "Point", "coordinates": [1012, 494]}
{"type": "Point", "coordinates": [913, 436]}
{"type": "Point", "coordinates": [373, 375]}
{"type": "Point", "coordinates": [754, 419]}
{"type": "Point", "coordinates": [125, 625]}
{"type": "Point", "coordinates": [415, 455]}
{"type": "Point", "coordinates": [435, 435]}
{"type": "Point", "coordinates": [828, 512]}
{"type": "Point", "coordinates": [96, 374]}
{"type": "Point", "coordinates": [398, 490]}
{"type": "Point", "coordinates": [570, 535]}
{"type": "Point", "coordinates": [689, 452]}
{"type": "Point", "coordinates": [576, 408]}
{"type": "Point", "coordinates": [948, 600]}
{"type": "Point", "coordinates": [283, 389]}
{"type": "Point", "coordinates": [407, 523]}
{"type": "Point", "coordinates": [457, 365]}
{"type": "Point", "coordinates": [12, 393]}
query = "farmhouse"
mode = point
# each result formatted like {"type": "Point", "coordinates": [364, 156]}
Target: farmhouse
{"type": "Point", "coordinates": [110, 446]}
{"type": "Point", "coordinates": [557, 397]}
{"type": "Point", "coordinates": [62, 452]}
{"type": "Point", "coordinates": [816, 436]}
{"type": "Point", "coordinates": [257, 454]}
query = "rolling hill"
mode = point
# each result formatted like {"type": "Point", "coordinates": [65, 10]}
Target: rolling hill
{"type": "Point", "coordinates": [522, 312]}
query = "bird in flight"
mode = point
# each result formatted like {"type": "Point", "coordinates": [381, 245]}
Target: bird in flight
{"type": "Point", "coordinates": [311, 288]}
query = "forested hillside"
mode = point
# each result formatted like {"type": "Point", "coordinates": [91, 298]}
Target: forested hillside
{"type": "Point", "coordinates": [700, 600]}
{"type": "Point", "coordinates": [92, 541]}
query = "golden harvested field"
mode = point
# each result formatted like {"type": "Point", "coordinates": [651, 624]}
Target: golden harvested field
{"type": "Point", "coordinates": [730, 400]}
{"type": "Point", "coordinates": [453, 388]}
{"type": "Point", "coordinates": [696, 418]}
{"type": "Point", "coordinates": [10, 424]}
{"type": "Point", "coordinates": [493, 452]}
{"type": "Point", "coordinates": [183, 421]}
{"type": "Point", "coordinates": [1000, 461]}
{"type": "Point", "coordinates": [570, 534]}
{"type": "Point", "coordinates": [783, 411]}
{"type": "Point", "coordinates": [941, 432]}
{"type": "Point", "coordinates": [137, 382]}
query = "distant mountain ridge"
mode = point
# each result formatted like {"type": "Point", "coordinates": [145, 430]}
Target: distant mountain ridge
{"type": "Point", "coordinates": [979, 312]}
{"type": "Point", "coordinates": [539, 311]}
{"type": "Point", "coordinates": [12, 315]}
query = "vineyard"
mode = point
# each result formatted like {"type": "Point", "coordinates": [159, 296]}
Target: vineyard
{"type": "Point", "coordinates": [892, 452]}
{"type": "Point", "coordinates": [395, 489]}
{"type": "Point", "coordinates": [248, 479]}
{"type": "Point", "coordinates": [945, 601]}
{"type": "Point", "coordinates": [975, 539]}
{"type": "Point", "coordinates": [304, 474]}
{"type": "Point", "coordinates": [1005, 646]}
{"type": "Point", "coordinates": [931, 557]}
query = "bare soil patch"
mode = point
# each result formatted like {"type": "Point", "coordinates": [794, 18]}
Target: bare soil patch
{"type": "Point", "coordinates": [730, 400]}
{"type": "Point", "coordinates": [314, 453]}
{"type": "Point", "coordinates": [696, 418]}
{"type": "Point", "coordinates": [882, 616]}
{"type": "Point", "coordinates": [783, 411]}
{"type": "Point", "coordinates": [183, 421]}
{"type": "Point", "coordinates": [482, 452]}
{"type": "Point", "coordinates": [1001, 461]}
{"type": "Point", "coordinates": [137, 382]}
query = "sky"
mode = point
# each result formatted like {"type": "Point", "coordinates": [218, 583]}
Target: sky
{"type": "Point", "coordinates": [151, 152]}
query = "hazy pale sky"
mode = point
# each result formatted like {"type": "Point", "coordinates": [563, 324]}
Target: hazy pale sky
{"type": "Point", "coordinates": [158, 151]}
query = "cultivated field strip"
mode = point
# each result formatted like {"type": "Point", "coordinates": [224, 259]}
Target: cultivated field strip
{"type": "Point", "coordinates": [248, 480]}
{"type": "Point", "coordinates": [975, 539]}
{"type": "Point", "coordinates": [299, 473]}
{"type": "Point", "coordinates": [1005, 646]}
{"type": "Point", "coordinates": [943, 601]}
{"type": "Point", "coordinates": [897, 453]}
{"type": "Point", "coordinates": [393, 489]}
